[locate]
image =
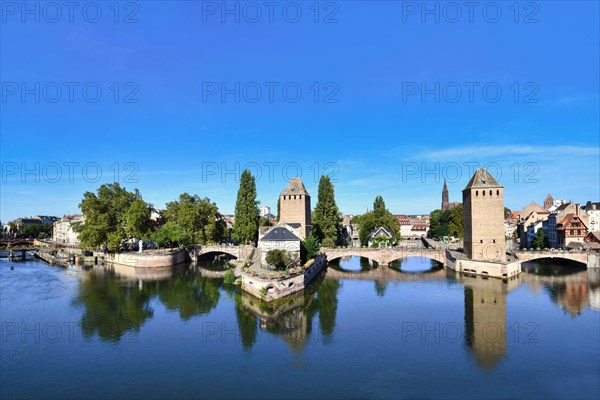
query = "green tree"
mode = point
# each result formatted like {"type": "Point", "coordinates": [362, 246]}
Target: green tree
{"type": "Point", "coordinates": [507, 212]}
{"type": "Point", "coordinates": [170, 235]}
{"type": "Point", "coordinates": [379, 207]}
{"type": "Point", "coordinates": [540, 240]}
{"type": "Point", "coordinates": [112, 216]}
{"type": "Point", "coordinates": [327, 219]}
{"type": "Point", "coordinates": [245, 228]}
{"type": "Point", "coordinates": [439, 223]}
{"type": "Point", "coordinates": [193, 220]}
{"type": "Point", "coordinates": [278, 258]}
{"type": "Point", "coordinates": [311, 247]}
{"type": "Point", "coordinates": [455, 222]}
{"type": "Point", "coordinates": [264, 222]}
{"type": "Point", "coordinates": [278, 208]}
{"type": "Point", "coordinates": [37, 231]}
{"type": "Point", "coordinates": [379, 217]}
{"type": "Point", "coordinates": [328, 242]}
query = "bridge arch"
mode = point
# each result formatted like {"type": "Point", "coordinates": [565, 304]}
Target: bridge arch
{"type": "Point", "coordinates": [579, 257]}
{"type": "Point", "coordinates": [429, 255]}
{"type": "Point", "coordinates": [217, 252]}
{"type": "Point", "coordinates": [337, 256]}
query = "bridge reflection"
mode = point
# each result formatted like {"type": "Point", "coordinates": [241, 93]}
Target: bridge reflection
{"type": "Point", "coordinates": [117, 303]}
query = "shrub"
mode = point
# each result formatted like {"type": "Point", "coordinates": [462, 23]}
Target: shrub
{"type": "Point", "coordinates": [328, 242]}
{"type": "Point", "coordinates": [229, 277]}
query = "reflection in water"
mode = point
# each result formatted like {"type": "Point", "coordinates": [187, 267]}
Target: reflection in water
{"type": "Point", "coordinates": [551, 267]}
{"type": "Point", "coordinates": [112, 308]}
{"type": "Point", "coordinates": [416, 264]}
{"type": "Point", "coordinates": [290, 317]}
{"type": "Point", "coordinates": [188, 293]}
{"type": "Point", "coordinates": [570, 285]}
{"type": "Point", "coordinates": [353, 264]}
{"type": "Point", "coordinates": [116, 304]}
{"type": "Point", "coordinates": [485, 317]}
{"type": "Point", "coordinates": [366, 357]}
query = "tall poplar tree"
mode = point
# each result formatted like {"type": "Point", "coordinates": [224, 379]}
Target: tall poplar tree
{"type": "Point", "coordinates": [247, 215]}
{"type": "Point", "coordinates": [326, 218]}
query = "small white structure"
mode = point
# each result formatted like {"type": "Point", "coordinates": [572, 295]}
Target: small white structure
{"type": "Point", "coordinates": [281, 237]}
{"type": "Point", "coordinates": [382, 235]}
{"type": "Point", "coordinates": [265, 211]}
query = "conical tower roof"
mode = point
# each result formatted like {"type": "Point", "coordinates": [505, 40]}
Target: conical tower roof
{"type": "Point", "coordinates": [482, 179]}
{"type": "Point", "coordinates": [295, 186]}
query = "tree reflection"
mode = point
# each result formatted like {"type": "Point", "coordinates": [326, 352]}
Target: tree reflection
{"type": "Point", "coordinates": [291, 317]}
{"type": "Point", "coordinates": [111, 308]}
{"type": "Point", "coordinates": [380, 286]}
{"type": "Point", "coordinates": [246, 323]}
{"type": "Point", "coordinates": [189, 293]}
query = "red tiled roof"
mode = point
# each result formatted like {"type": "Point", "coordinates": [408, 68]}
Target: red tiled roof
{"type": "Point", "coordinates": [403, 218]}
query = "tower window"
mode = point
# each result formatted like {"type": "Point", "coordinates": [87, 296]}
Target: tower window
{"type": "Point", "coordinates": [481, 241]}
{"type": "Point", "coordinates": [476, 193]}
{"type": "Point", "coordinates": [497, 193]}
{"type": "Point", "coordinates": [490, 192]}
{"type": "Point", "coordinates": [483, 191]}
{"type": "Point", "coordinates": [494, 241]}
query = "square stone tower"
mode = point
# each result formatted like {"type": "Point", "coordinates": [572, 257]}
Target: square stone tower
{"type": "Point", "coordinates": [483, 218]}
{"type": "Point", "coordinates": [294, 207]}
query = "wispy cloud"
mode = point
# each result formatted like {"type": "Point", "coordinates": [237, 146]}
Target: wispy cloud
{"type": "Point", "coordinates": [489, 152]}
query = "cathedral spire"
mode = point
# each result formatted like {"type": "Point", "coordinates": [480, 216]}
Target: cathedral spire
{"type": "Point", "coordinates": [445, 197]}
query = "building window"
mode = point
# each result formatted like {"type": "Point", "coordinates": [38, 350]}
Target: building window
{"type": "Point", "coordinates": [572, 232]}
{"type": "Point", "coordinates": [494, 241]}
{"type": "Point", "coordinates": [490, 192]}
{"type": "Point", "coordinates": [481, 241]}
{"type": "Point", "coordinates": [483, 191]}
{"type": "Point", "coordinates": [497, 193]}
{"type": "Point", "coordinates": [476, 193]}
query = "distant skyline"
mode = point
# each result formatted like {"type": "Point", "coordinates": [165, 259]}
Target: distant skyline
{"type": "Point", "coordinates": [385, 98]}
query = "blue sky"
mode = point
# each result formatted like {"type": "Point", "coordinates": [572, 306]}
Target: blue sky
{"type": "Point", "coordinates": [392, 100]}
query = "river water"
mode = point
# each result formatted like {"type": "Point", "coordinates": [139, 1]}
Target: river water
{"type": "Point", "coordinates": [414, 330]}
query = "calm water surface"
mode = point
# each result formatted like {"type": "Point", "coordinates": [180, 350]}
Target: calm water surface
{"type": "Point", "coordinates": [412, 330]}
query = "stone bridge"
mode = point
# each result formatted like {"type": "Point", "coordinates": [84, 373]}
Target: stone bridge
{"type": "Point", "coordinates": [384, 256]}
{"type": "Point", "coordinates": [588, 258]}
{"type": "Point", "coordinates": [16, 243]}
{"type": "Point", "coordinates": [239, 252]}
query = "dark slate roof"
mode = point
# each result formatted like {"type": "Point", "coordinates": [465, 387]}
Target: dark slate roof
{"type": "Point", "coordinates": [280, 233]}
{"type": "Point", "coordinates": [295, 186]}
{"type": "Point", "coordinates": [482, 179]}
{"type": "Point", "coordinates": [381, 228]}
{"type": "Point", "coordinates": [294, 224]}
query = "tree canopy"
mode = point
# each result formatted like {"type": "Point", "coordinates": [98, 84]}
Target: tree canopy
{"type": "Point", "coordinates": [191, 220]}
{"type": "Point", "coordinates": [245, 228]}
{"type": "Point", "coordinates": [379, 217]}
{"type": "Point", "coordinates": [112, 216]}
{"type": "Point", "coordinates": [326, 220]}
{"type": "Point", "coordinates": [447, 223]}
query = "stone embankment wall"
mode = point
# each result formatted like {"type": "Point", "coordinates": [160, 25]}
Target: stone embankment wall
{"type": "Point", "coordinates": [269, 289]}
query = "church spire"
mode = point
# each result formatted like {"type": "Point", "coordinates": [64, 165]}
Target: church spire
{"type": "Point", "coordinates": [445, 197]}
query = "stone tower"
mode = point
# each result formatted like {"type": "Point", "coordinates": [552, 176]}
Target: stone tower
{"type": "Point", "coordinates": [445, 198]}
{"type": "Point", "coordinates": [294, 207]}
{"type": "Point", "coordinates": [549, 202]}
{"type": "Point", "coordinates": [483, 218]}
